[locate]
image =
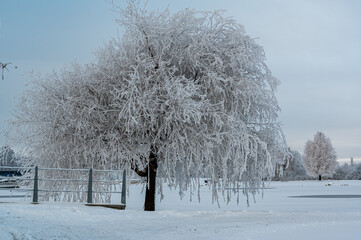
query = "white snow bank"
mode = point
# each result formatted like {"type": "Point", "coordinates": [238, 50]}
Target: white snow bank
{"type": "Point", "coordinates": [277, 216]}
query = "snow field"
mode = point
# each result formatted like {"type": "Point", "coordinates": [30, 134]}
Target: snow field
{"type": "Point", "coordinates": [276, 216]}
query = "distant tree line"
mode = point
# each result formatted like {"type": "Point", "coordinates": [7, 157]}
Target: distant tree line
{"type": "Point", "coordinates": [348, 172]}
{"type": "Point", "coordinates": [318, 161]}
{"type": "Point", "coordinates": [295, 170]}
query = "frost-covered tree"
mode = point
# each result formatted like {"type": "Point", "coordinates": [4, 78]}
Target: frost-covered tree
{"type": "Point", "coordinates": [186, 96]}
{"type": "Point", "coordinates": [7, 157]}
{"type": "Point", "coordinates": [319, 156]}
{"type": "Point", "coordinates": [342, 172]}
{"type": "Point", "coordinates": [349, 172]}
{"type": "Point", "coordinates": [293, 168]}
{"type": "Point", "coordinates": [355, 173]}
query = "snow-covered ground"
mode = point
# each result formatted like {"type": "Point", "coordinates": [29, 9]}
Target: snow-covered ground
{"type": "Point", "coordinates": [279, 215]}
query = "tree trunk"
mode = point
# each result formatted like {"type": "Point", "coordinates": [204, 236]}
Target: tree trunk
{"type": "Point", "coordinates": [149, 204]}
{"type": "Point", "coordinates": [151, 173]}
{"type": "Point", "coordinates": [319, 177]}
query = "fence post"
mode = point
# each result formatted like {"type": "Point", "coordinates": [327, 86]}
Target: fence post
{"type": "Point", "coordinates": [35, 188]}
{"type": "Point", "coordinates": [123, 199]}
{"type": "Point", "coordinates": [90, 186]}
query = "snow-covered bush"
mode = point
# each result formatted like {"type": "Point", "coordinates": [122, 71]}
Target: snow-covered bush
{"type": "Point", "coordinates": [186, 95]}
{"type": "Point", "coordinates": [293, 169]}
{"type": "Point", "coordinates": [7, 157]}
{"type": "Point", "coordinates": [342, 172]}
{"type": "Point", "coordinates": [348, 172]}
{"type": "Point", "coordinates": [355, 173]}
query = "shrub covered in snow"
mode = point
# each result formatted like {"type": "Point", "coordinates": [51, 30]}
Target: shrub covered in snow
{"type": "Point", "coordinates": [7, 157]}
{"type": "Point", "coordinates": [348, 172]}
{"type": "Point", "coordinates": [292, 169]}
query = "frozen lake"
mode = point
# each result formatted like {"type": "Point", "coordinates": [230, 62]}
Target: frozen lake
{"type": "Point", "coordinates": [302, 210]}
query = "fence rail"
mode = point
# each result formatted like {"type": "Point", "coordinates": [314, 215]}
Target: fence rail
{"type": "Point", "coordinates": [90, 182]}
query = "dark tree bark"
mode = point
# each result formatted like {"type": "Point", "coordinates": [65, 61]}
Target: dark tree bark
{"type": "Point", "coordinates": [319, 177]}
{"type": "Point", "coordinates": [149, 204]}
{"type": "Point", "coordinates": [151, 173]}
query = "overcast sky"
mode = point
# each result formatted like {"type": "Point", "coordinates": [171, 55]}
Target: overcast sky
{"type": "Point", "coordinates": [312, 46]}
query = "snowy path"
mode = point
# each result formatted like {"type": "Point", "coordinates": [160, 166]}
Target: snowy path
{"type": "Point", "coordinates": [277, 216]}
